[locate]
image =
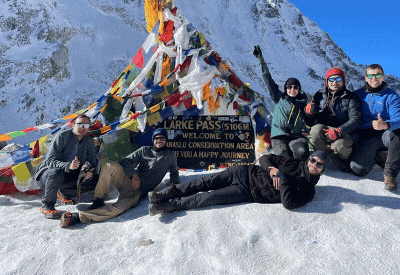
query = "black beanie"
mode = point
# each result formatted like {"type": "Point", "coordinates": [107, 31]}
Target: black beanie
{"type": "Point", "coordinates": [158, 132]}
{"type": "Point", "coordinates": [293, 81]}
{"type": "Point", "coordinates": [321, 155]}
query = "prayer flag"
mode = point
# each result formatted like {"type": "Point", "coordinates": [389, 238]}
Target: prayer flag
{"type": "Point", "coordinates": [138, 59]}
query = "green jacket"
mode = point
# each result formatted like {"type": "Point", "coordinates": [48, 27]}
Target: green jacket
{"type": "Point", "coordinates": [288, 116]}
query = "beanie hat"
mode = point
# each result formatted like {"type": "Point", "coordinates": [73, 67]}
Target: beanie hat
{"type": "Point", "coordinates": [158, 132]}
{"type": "Point", "coordinates": [334, 71]}
{"type": "Point", "coordinates": [322, 155]}
{"type": "Point", "coordinates": [293, 81]}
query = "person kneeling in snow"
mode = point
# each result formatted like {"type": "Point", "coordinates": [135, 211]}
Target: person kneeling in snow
{"type": "Point", "coordinates": [137, 174]}
{"type": "Point", "coordinates": [278, 179]}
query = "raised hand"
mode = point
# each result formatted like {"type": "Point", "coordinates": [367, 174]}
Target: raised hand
{"type": "Point", "coordinates": [257, 51]}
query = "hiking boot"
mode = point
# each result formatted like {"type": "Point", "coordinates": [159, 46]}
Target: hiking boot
{"type": "Point", "coordinates": [49, 211]}
{"type": "Point", "coordinates": [390, 183]}
{"type": "Point", "coordinates": [69, 218]}
{"type": "Point", "coordinates": [169, 192]}
{"type": "Point", "coordinates": [64, 199]}
{"type": "Point", "coordinates": [97, 203]}
{"type": "Point", "coordinates": [161, 208]}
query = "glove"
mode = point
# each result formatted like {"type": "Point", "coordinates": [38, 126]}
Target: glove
{"type": "Point", "coordinates": [311, 108]}
{"type": "Point", "coordinates": [332, 134]}
{"type": "Point", "coordinates": [257, 51]}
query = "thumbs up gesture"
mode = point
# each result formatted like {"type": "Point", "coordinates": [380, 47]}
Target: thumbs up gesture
{"type": "Point", "coordinates": [379, 124]}
{"type": "Point", "coordinates": [74, 164]}
{"type": "Point", "coordinates": [311, 108]}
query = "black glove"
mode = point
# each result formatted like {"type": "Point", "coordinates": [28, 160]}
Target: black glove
{"type": "Point", "coordinates": [257, 51]}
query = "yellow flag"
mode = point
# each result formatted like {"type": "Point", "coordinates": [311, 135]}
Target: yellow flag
{"type": "Point", "coordinates": [154, 118]}
{"type": "Point", "coordinates": [21, 171]}
{"type": "Point", "coordinates": [151, 13]}
{"type": "Point", "coordinates": [155, 108]}
{"type": "Point", "coordinates": [132, 125]}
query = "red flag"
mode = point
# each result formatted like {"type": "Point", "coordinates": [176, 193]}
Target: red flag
{"type": "Point", "coordinates": [138, 60]}
{"type": "Point", "coordinates": [168, 32]}
{"type": "Point", "coordinates": [36, 150]}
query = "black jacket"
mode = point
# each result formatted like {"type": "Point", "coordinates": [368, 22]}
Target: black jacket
{"type": "Point", "coordinates": [297, 188]}
{"type": "Point", "coordinates": [344, 110]}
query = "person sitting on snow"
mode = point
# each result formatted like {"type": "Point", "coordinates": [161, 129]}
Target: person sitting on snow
{"type": "Point", "coordinates": [278, 179]}
{"type": "Point", "coordinates": [136, 175]}
{"type": "Point", "coordinates": [70, 150]}
{"type": "Point", "coordinates": [337, 113]}
{"type": "Point", "coordinates": [288, 118]}
{"type": "Point", "coordinates": [381, 127]}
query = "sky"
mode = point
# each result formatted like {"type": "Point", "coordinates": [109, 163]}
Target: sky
{"type": "Point", "coordinates": [368, 31]}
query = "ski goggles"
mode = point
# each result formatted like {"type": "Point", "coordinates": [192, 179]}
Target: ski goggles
{"type": "Point", "coordinates": [294, 87]}
{"type": "Point", "coordinates": [83, 125]}
{"type": "Point", "coordinates": [320, 165]}
{"type": "Point", "coordinates": [377, 76]}
{"type": "Point", "coordinates": [332, 79]}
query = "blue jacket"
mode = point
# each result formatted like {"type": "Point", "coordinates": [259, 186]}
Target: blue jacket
{"type": "Point", "coordinates": [386, 103]}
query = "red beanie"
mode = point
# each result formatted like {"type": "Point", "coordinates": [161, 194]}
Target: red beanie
{"type": "Point", "coordinates": [334, 71]}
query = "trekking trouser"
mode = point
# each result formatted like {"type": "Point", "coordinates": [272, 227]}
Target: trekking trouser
{"type": "Point", "coordinates": [391, 140]}
{"type": "Point", "coordinates": [227, 195]}
{"type": "Point", "coordinates": [363, 158]}
{"type": "Point", "coordinates": [296, 148]}
{"type": "Point", "coordinates": [226, 187]}
{"type": "Point", "coordinates": [53, 179]}
{"type": "Point", "coordinates": [112, 174]}
{"type": "Point", "coordinates": [342, 146]}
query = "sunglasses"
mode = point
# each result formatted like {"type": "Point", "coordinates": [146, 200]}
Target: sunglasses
{"type": "Point", "coordinates": [83, 125]}
{"type": "Point", "coordinates": [320, 165]}
{"type": "Point", "coordinates": [332, 79]}
{"type": "Point", "coordinates": [377, 76]}
{"type": "Point", "coordinates": [294, 87]}
{"type": "Point", "coordinates": [160, 138]}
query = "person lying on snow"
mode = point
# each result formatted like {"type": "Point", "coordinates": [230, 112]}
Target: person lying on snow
{"type": "Point", "coordinates": [277, 179]}
{"type": "Point", "coordinates": [137, 174]}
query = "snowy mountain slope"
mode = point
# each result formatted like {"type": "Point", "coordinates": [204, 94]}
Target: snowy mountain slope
{"type": "Point", "coordinates": [351, 226]}
{"type": "Point", "coordinates": [57, 57]}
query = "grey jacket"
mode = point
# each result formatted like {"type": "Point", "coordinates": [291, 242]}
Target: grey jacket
{"type": "Point", "coordinates": [61, 152]}
{"type": "Point", "coordinates": [151, 167]}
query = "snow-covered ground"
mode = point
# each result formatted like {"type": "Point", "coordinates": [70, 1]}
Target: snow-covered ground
{"type": "Point", "coordinates": [351, 227]}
